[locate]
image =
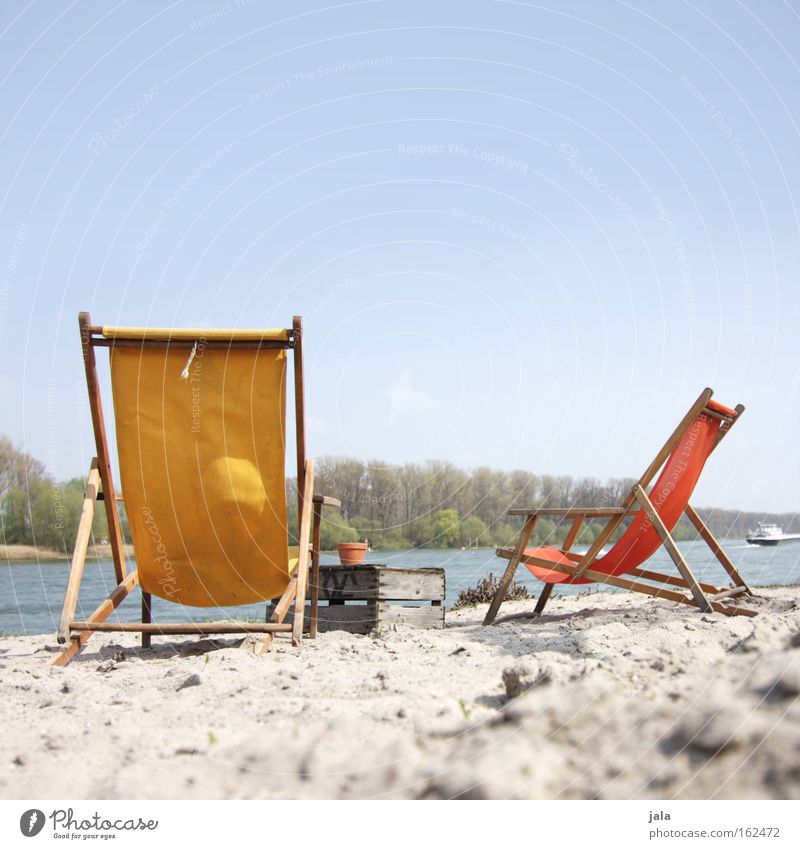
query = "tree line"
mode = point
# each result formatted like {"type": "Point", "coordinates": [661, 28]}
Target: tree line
{"type": "Point", "coordinates": [34, 508]}
{"type": "Point", "coordinates": [436, 504]}
{"type": "Point", "coordinates": [433, 504]}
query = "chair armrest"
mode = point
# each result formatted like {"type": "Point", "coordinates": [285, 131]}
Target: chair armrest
{"type": "Point", "coordinates": [327, 501]}
{"type": "Point", "coordinates": [589, 512]}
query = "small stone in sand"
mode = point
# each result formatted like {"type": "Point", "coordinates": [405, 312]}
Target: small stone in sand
{"type": "Point", "coordinates": [191, 681]}
{"type": "Point", "coordinates": [519, 679]}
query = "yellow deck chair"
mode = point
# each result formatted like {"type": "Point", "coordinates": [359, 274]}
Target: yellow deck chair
{"type": "Point", "coordinates": [200, 430]}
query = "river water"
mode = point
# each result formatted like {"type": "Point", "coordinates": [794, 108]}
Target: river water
{"type": "Point", "coordinates": [31, 594]}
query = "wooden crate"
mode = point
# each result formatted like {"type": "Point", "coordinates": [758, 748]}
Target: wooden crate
{"type": "Point", "coordinates": [361, 598]}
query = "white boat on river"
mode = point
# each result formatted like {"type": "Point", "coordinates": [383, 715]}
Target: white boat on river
{"type": "Point", "coordinates": [769, 534]}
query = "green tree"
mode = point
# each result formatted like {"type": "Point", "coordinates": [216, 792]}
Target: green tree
{"type": "Point", "coordinates": [545, 532]}
{"type": "Point", "coordinates": [48, 528]}
{"type": "Point", "coordinates": [16, 518]}
{"type": "Point", "coordinates": [474, 531]}
{"type": "Point", "coordinates": [335, 529]}
{"type": "Point", "coordinates": [445, 528]}
{"type": "Point", "coordinates": [588, 534]}
{"type": "Point", "coordinates": [504, 533]}
{"type": "Point", "coordinates": [421, 532]}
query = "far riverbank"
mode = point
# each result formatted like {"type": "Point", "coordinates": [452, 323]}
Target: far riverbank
{"type": "Point", "coordinates": [32, 554]}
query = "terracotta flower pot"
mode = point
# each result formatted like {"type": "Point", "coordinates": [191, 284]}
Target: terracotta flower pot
{"type": "Point", "coordinates": [351, 553]}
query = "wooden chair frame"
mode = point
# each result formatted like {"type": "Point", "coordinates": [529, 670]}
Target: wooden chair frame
{"type": "Point", "coordinates": [100, 487]}
{"type": "Point", "coordinates": [704, 596]}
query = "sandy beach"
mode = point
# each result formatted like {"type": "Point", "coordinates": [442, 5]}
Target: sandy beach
{"type": "Point", "coordinates": [608, 696]}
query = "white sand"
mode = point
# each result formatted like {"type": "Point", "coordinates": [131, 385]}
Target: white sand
{"type": "Point", "coordinates": [631, 698]}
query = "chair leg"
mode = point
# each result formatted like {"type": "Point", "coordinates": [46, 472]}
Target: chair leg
{"type": "Point", "coordinates": [295, 591]}
{"type": "Point", "coordinates": [315, 542]}
{"type": "Point", "coordinates": [304, 539]}
{"type": "Point", "coordinates": [279, 610]}
{"type": "Point", "coordinates": [79, 553]}
{"type": "Point", "coordinates": [669, 543]}
{"type": "Point", "coordinates": [543, 597]}
{"type": "Point", "coordinates": [147, 618]}
{"type": "Point", "coordinates": [103, 611]}
{"type": "Point", "coordinates": [716, 548]}
{"type": "Point", "coordinates": [505, 582]}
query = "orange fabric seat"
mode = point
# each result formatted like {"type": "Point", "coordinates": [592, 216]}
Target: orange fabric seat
{"type": "Point", "coordinates": [670, 495]}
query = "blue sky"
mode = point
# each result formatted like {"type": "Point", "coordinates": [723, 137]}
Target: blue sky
{"type": "Point", "coordinates": [522, 235]}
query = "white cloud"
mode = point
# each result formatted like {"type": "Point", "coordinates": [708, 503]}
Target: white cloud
{"type": "Point", "coordinates": [404, 397]}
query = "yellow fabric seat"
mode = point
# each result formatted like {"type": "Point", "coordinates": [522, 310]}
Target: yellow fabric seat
{"type": "Point", "coordinates": [201, 447]}
{"type": "Point", "coordinates": [294, 558]}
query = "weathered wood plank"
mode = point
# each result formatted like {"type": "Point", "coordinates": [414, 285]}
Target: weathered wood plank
{"type": "Point", "coordinates": [411, 584]}
{"type": "Point", "coordinates": [424, 616]}
{"type": "Point", "coordinates": [378, 582]}
{"type": "Point", "coordinates": [363, 618]}
{"type": "Point", "coordinates": [343, 583]}
{"type": "Point", "coordinates": [354, 618]}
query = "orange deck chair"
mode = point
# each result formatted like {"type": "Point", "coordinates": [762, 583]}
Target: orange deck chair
{"type": "Point", "coordinates": [200, 425]}
{"type": "Point", "coordinates": [654, 515]}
